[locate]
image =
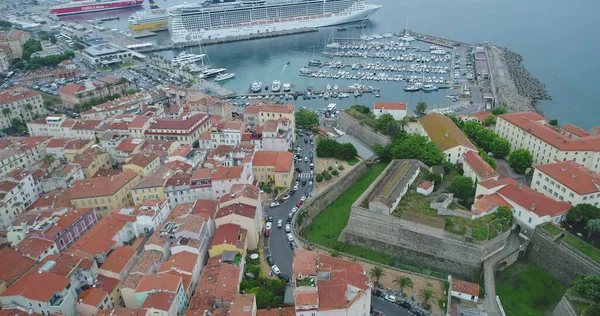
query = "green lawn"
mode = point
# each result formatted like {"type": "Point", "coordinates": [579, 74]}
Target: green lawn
{"type": "Point", "coordinates": [328, 225]}
{"type": "Point", "coordinates": [414, 202]}
{"type": "Point", "coordinates": [353, 161]}
{"type": "Point", "coordinates": [479, 226]}
{"type": "Point", "coordinates": [582, 246]}
{"type": "Point", "coordinates": [526, 289]}
{"type": "Point", "coordinates": [551, 229]}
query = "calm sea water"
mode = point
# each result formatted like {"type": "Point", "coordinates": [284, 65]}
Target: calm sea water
{"type": "Point", "coordinates": [556, 39]}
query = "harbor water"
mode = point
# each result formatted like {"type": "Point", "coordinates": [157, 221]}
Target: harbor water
{"type": "Point", "coordinates": [556, 40]}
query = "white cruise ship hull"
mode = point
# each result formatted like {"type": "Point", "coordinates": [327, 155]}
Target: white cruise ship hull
{"type": "Point", "coordinates": [181, 35]}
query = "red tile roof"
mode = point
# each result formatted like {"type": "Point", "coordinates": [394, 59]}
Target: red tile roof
{"type": "Point", "coordinates": [99, 239]}
{"type": "Point", "coordinates": [122, 311]}
{"type": "Point", "coordinates": [281, 160]}
{"type": "Point", "coordinates": [238, 209]}
{"type": "Point", "coordinates": [229, 234]}
{"type": "Point", "coordinates": [34, 247]}
{"type": "Point", "coordinates": [219, 173]}
{"type": "Point", "coordinates": [241, 190]}
{"type": "Point", "coordinates": [465, 287]}
{"type": "Point", "coordinates": [163, 281]}
{"type": "Point", "coordinates": [16, 94]}
{"type": "Point", "coordinates": [118, 259]}
{"type": "Point", "coordinates": [88, 125]}
{"type": "Point", "coordinates": [425, 185]}
{"type": "Point", "coordinates": [178, 124]}
{"type": "Point", "coordinates": [491, 183]}
{"type": "Point", "coordinates": [534, 201]}
{"type": "Point", "coordinates": [92, 296]}
{"type": "Point", "coordinates": [573, 175]}
{"type": "Point", "coordinates": [480, 167]}
{"type": "Point", "coordinates": [576, 130]}
{"type": "Point", "coordinates": [161, 301]}
{"type": "Point", "coordinates": [183, 261]}
{"type": "Point", "coordinates": [488, 203]}
{"type": "Point", "coordinates": [219, 281]}
{"type": "Point", "coordinates": [283, 108]}
{"type": "Point", "coordinates": [13, 265]}
{"type": "Point", "coordinates": [285, 311]}
{"type": "Point", "coordinates": [37, 286]}
{"type": "Point", "coordinates": [390, 106]}
{"type": "Point", "coordinates": [205, 208]}
{"type": "Point", "coordinates": [101, 186]}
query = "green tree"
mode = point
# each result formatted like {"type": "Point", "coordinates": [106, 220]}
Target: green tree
{"type": "Point", "coordinates": [335, 172]}
{"type": "Point", "coordinates": [582, 213]}
{"type": "Point", "coordinates": [520, 160]}
{"type": "Point", "coordinates": [376, 273]}
{"type": "Point", "coordinates": [421, 109]}
{"type": "Point", "coordinates": [487, 159]}
{"type": "Point", "coordinates": [593, 226]}
{"type": "Point", "coordinates": [405, 146]}
{"type": "Point", "coordinates": [462, 187]}
{"type": "Point", "coordinates": [500, 147]}
{"type": "Point", "coordinates": [553, 122]}
{"type": "Point", "coordinates": [402, 281]}
{"type": "Point", "coordinates": [499, 111]}
{"type": "Point", "coordinates": [504, 214]}
{"type": "Point", "coordinates": [131, 92]}
{"type": "Point", "coordinates": [490, 120]}
{"type": "Point", "coordinates": [426, 296]}
{"type": "Point", "coordinates": [588, 286]}
{"type": "Point", "coordinates": [593, 310]}
{"type": "Point", "coordinates": [434, 177]}
{"type": "Point", "coordinates": [5, 24]}
{"type": "Point", "coordinates": [386, 124]}
{"type": "Point", "coordinates": [403, 123]}
{"type": "Point", "coordinates": [361, 108]}
{"type": "Point", "coordinates": [306, 119]}
{"type": "Point", "coordinates": [48, 159]}
{"type": "Point", "coordinates": [319, 177]}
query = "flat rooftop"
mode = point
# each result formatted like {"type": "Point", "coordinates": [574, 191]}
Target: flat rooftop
{"type": "Point", "coordinates": [396, 179]}
{"type": "Point", "coordinates": [103, 49]}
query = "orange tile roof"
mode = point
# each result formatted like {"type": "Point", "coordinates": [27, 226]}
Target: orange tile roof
{"type": "Point", "coordinates": [425, 185]}
{"type": "Point", "coordinates": [129, 144]}
{"type": "Point", "coordinates": [284, 311]}
{"type": "Point", "coordinates": [99, 239]}
{"type": "Point", "coordinates": [230, 234]}
{"type": "Point", "coordinates": [146, 260]}
{"type": "Point", "coordinates": [92, 296]}
{"type": "Point", "coordinates": [489, 202]}
{"type": "Point", "coordinates": [306, 298]}
{"type": "Point", "coordinates": [66, 263]}
{"type": "Point", "coordinates": [183, 261]}
{"type": "Point", "coordinates": [242, 305]}
{"type": "Point", "coordinates": [305, 263]}
{"type": "Point", "coordinates": [161, 301]}
{"type": "Point", "coordinates": [283, 108]}
{"type": "Point", "coordinates": [575, 130]}
{"type": "Point", "coordinates": [16, 94]}
{"type": "Point", "coordinates": [479, 166]}
{"type": "Point", "coordinates": [237, 209]}
{"type": "Point", "coordinates": [78, 143]}
{"type": "Point", "coordinates": [142, 159]}
{"type": "Point", "coordinates": [241, 190]}
{"type": "Point", "coordinates": [163, 281]}
{"type": "Point", "coordinates": [219, 173]}
{"type": "Point", "coordinates": [534, 201]}
{"type": "Point", "coordinates": [219, 281]}
{"type": "Point", "coordinates": [390, 106]}
{"type": "Point", "coordinates": [34, 247]}
{"type": "Point", "coordinates": [529, 123]}
{"type": "Point", "coordinates": [205, 208]}
{"type": "Point", "coordinates": [101, 186]}
{"type": "Point", "coordinates": [437, 126]}
{"type": "Point", "coordinates": [13, 265]}
{"type": "Point", "coordinates": [37, 287]}
{"type": "Point", "coordinates": [177, 124]}
{"type": "Point", "coordinates": [491, 183]}
{"type": "Point", "coordinates": [88, 125]}
{"type": "Point", "coordinates": [573, 175]}
{"type": "Point", "coordinates": [465, 287]}
{"type": "Point", "coordinates": [58, 142]}
{"type": "Point", "coordinates": [118, 259]}
{"type": "Point", "coordinates": [281, 160]}
{"type": "Point", "coordinates": [178, 166]}
{"type": "Point", "coordinates": [122, 311]}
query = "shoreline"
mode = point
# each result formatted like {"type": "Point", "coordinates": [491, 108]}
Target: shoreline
{"type": "Point", "coordinates": [516, 89]}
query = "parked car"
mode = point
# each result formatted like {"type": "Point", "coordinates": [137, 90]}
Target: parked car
{"type": "Point", "coordinates": [417, 312]}
{"type": "Point", "coordinates": [290, 215]}
{"type": "Point", "coordinates": [305, 159]}
{"type": "Point", "coordinates": [275, 204]}
{"type": "Point", "coordinates": [270, 219]}
{"type": "Point", "coordinates": [390, 298]}
{"type": "Point", "coordinates": [285, 197]}
{"type": "Point", "coordinates": [280, 223]}
{"type": "Point", "coordinates": [267, 233]}
{"type": "Point", "coordinates": [377, 292]}
{"type": "Point", "coordinates": [293, 244]}
{"type": "Point", "coordinates": [269, 225]}
{"type": "Point", "coordinates": [405, 305]}
{"type": "Point", "coordinates": [270, 260]}
{"type": "Point", "coordinates": [289, 237]}
{"type": "Point", "coordinates": [294, 210]}
{"type": "Point", "coordinates": [303, 198]}
{"type": "Point", "coordinates": [299, 204]}
{"type": "Point", "coordinates": [275, 269]}
{"type": "Point", "coordinates": [312, 166]}
{"type": "Point", "coordinates": [288, 228]}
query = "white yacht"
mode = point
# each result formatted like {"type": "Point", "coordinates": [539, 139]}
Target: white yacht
{"type": "Point", "coordinates": [225, 76]}
{"type": "Point", "coordinates": [276, 86]}
{"type": "Point", "coordinates": [287, 87]}
{"type": "Point", "coordinates": [211, 72]}
{"type": "Point", "coordinates": [185, 59]}
{"type": "Point", "coordinates": [256, 86]}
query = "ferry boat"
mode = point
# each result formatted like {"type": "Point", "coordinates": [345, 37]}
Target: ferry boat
{"type": "Point", "coordinates": [276, 86]}
{"type": "Point", "coordinates": [225, 76]}
{"type": "Point", "coordinates": [216, 19]}
{"type": "Point", "coordinates": [185, 58]}
{"type": "Point", "coordinates": [256, 86]}
{"type": "Point", "coordinates": [154, 19]}
{"type": "Point", "coordinates": [88, 6]}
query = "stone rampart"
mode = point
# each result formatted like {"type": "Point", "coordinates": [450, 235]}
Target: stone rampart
{"type": "Point", "coordinates": [562, 261]}
{"type": "Point", "coordinates": [352, 126]}
{"type": "Point", "coordinates": [564, 308]}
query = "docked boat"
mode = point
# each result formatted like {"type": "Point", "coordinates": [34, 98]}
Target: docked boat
{"type": "Point", "coordinates": [316, 63]}
{"type": "Point", "coordinates": [342, 28]}
{"type": "Point", "coordinates": [225, 76]}
{"type": "Point", "coordinates": [429, 88]}
{"type": "Point", "coordinates": [211, 72]}
{"type": "Point", "coordinates": [328, 87]}
{"type": "Point", "coordinates": [411, 88]}
{"type": "Point", "coordinates": [287, 87]}
{"type": "Point", "coordinates": [305, 71]}
{"type": "Point", "coordinates": [335, 87]}
{"type": "Point", "coordinates": [155, 19]}
{"type": "Point", "coordinates": [185, 59]}
{"type": "Point", "coordinates": [276, 86]}
{"type": "Point", "coordinates": [256, 86]}
{"type": "Point", "coordinates": [89, 6]}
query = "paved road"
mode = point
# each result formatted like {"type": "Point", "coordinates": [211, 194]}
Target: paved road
{"type": "Point", "coordinates": [387, 308]}
{"type": "Point", "coordinates": [277, 244]}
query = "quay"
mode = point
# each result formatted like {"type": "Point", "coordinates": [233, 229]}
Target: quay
{"type": "Point", "coordinates": [227, 39]}
{"type": "Point", "coordinates": [439, 41]}
{"type": "Point", "coordinates": [295, 94]}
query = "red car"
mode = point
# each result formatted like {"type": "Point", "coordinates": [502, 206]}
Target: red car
{"type": "Point", "coordinates": [267, 232]}
{"type": "Point", "coordinates": [299, 204]}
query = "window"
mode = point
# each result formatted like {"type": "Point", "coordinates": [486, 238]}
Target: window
{"type": "Point", "coordinates": [530, 219]}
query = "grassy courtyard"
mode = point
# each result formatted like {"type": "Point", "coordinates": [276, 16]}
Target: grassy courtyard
{"type": "Point", "coordinates": [526, 289]}
{"type": "Point", "coordinates": [328, 225]}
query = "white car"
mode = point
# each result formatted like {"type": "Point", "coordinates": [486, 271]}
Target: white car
{"type": "Point", "coordinates": [280, 223]}
{"type": "Point", "coordinates": [390, 298]}
{"type": "Point", "coordinates": [294, 210]}
{"type": "Point", "coordinates": [310, 183]}
{"type": "Point", "coordinates": [285, 197]}
{"type": "Point", "coordinates": [296, 187]}
{"type": "Point", "coordinates": [303, 198]}
{"type": "Point", "coordinates": [288, 228]}
{"type": "Point", "coordinates": [290, 237]}
{"type": "Point", "coordinates": [275, 204]}
{"type": "Point", "coordinates": [275, 269]}
{"type": "Point", "coordinates": [305, 159]}
{"type": "Point", "coordinates": [269, 225]}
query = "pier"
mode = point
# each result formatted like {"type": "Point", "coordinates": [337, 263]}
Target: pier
{"type": "Point", "coordinates": [295, 94]}
{"type": "Point", "coordinates": [214, 41]}
{"type": "Point", "coordinates": [439, 41]}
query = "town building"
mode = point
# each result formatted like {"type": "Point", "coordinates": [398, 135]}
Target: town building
{"type": "Point", "coordinates": [395, 182]}
{"type": "Point", "coordinates": [425, 187]}
{"type": "Point", "coordinates": [14, 39]}
{"type": "Point", "coordinates": [277, 135]}
{"type": "Point", "coordinates": [119, 262]}
{"type": "Point", "coordinates": [442, 131]}
{"type": "Point", "coordinates": [274, 167]}
{"type": "Point", "coordinates": [21, 152]}
{"type": "Point", "coordinates": [395, 109]}
{"type": "Point", "coordinates": [14, 265]}
{"type": "Point", "coordinates": [17, 192]}
{"type": "Point", "coordinates": [219, 283]}
{"type": "Point", "coordinates": [226, 133]}
{"type": "Point", "coordinates": [567, 181]}
{"type": "Point", "coordinates": [219, 179]}
{"type": "Point", "coordinates": [186, 130]}
{"type": "Point", "coordinates": [229, 238]}
{"type": "Point", "coordinates": [476, 168]}
{"type": "Point", "coordinates": [103, 87]}
{"type": "Point", "coordinates": [154, 284]}
{"type": "Point", "coordinates": [478, 117]}
{"type": "Point", "coordinates": [105, 193]}
{"type": "Point", "coordinates": [546, 143]}
{"type": "Point", "coordinates": [93, 300]}
{"type": "Point", "coordinates": [106, 54]}
{"type": "Point", "coordinates": [127, 104]}
{"type": "Point", "coordinates": [246, 216]}
{"type": "Point", "coordinates": [20, 103]}
{"type": "Point", "coordinates": [464, 290]}
{"type": "Point", "coordinates": [142, 163]}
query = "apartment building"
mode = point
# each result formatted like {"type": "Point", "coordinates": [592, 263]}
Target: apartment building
{"type": "Point", "coordinates": [567, 181]}
{"type": "Point", "coordinates": [20, 103]}
{"type": "Point", "coordinates": [273, 167]}
{"type": "Point", "coordinates": [102, 87]}
{"type": "Point", "coordinates": [16, 194]}
{"type": "Point", "coordinates": [226, 133]}
{"type": "Point", "coordinates": [476, 168]}
{"type": "Point", "coordinates": [186, 130]}
{"type": "Point", "coordinates": [105, 193]}
{"type": "Point", "coordinates": [442, 131]}
{"type": "Point", "coordinates": [21, 152]}
{"type": "Point", "coordinates": [277, 135]}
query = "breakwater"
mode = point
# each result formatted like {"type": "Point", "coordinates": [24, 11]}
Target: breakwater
{"type": "Point", "coordinates": [525, 83]}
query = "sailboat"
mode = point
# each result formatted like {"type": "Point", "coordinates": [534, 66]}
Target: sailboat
{"type": "Point", "coordinates": [407, 37]}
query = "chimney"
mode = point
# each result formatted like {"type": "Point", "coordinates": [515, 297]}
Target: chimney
{"type": "Point", "coordinates": [533, 206]}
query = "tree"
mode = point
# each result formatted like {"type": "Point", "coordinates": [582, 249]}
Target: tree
{"type": "Point", "coordinates": [48, 159]}
{"type": "Point", "coordinates": [582, 213]}
{"type": "Point", "coordinates": [306, 119]}
{"type": "Point", "coordinates": [361, 108]}
{"type": "Point", "coordinates": [376, 273]}
{"type": "Point", "coordinates": [490, 120]}
{"type": "Point", "coordinates": [487, 158]}
{"type": "Point", "coordinates": [5, 24]}
{"type": "Point", "coordinates": [462, 187]}
{"type": "Point", "coordinates": [421, 109]}
{"type": "Point", "coordinates": [386, 124]}
{"type": "Point", "coordinates": [593, 226]}
{"type": "Point", "coordinates": [403, 282]}
{"type": "Point", "coordinates": [500, 147]}
{"type": "Point", "coordinates": [520, 160]}
{"type": "Point", "coordinates": [426, 296]}
{"type": "Point", "coordinates": [499, 111]}
{"type": "Point", "coordinates": [327, 147]}
{"type": "Point", "coordinates": [504, 214]}
{"type": "Point", "coordinates": [335, 172]}
{"type": "Point", "coordinates": [589, 287]}
{"type": "Point", "coordinates": [434, 177]}
{"type": "Point", "coordinates": [405, 146]}
{"type": "Point", "coordinates": [403, 123]}
{"type": "Point", "coordinates": [553, 122]}
{"type": "Point", "coordinates": [319, 177]}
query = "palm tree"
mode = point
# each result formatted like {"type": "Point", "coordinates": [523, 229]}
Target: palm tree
{"type": "Point", "coordinates": [403, 123]}
{"type": "Point", "coordinates": [593, 226]}
{"type": "Point", "coordinates": [403, 281]}
{"type": "Point", "coordinates": [48, 159]}
{"type": "Point", "coordinates": [376, 273]}
{"type": "Point", "coordinates": [426, 296]}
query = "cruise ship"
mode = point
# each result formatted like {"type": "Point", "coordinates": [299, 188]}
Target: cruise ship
{"type": "Point", "coordinates": [88, 6]}
{"type": "Point", "coordinates": [155, 19]}
{"type": "Point", "coordinates": [216, 19]}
